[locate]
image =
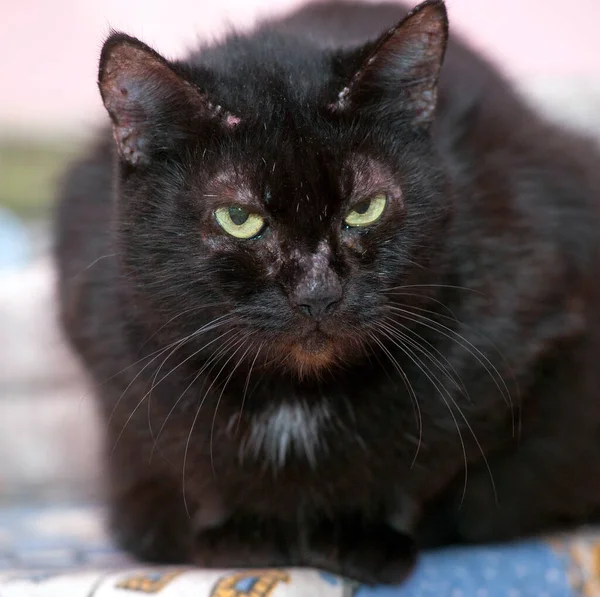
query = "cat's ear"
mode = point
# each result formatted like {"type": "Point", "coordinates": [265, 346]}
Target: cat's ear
{"type": "Point", "coordinates": [151, 106]}
{"type": "Point", "coordinates": [400, 71]}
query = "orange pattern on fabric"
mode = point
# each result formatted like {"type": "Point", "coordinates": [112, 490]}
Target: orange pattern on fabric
{"type": "Point", "coordinates": [261, 583]}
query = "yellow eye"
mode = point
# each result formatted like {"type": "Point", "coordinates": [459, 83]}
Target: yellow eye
{"type": "Point", "coordinates": [239, 222]}
{"type": "Point", "coordinates": [366, 212]}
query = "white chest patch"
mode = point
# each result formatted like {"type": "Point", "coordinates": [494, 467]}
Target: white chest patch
{"type": "Point", "coordinates": [287, 429]}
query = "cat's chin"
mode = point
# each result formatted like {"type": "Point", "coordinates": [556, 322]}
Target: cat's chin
{"type": "Point", "coordinates": [314, 353]}
{"type": "Point", "coordinates": [312, 356]}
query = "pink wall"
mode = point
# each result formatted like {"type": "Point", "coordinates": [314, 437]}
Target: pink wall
{"type": "Point", "coordinates": [49, 49]}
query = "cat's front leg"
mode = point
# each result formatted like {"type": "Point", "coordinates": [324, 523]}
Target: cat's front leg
{"type": "Point", "coordinates": [371, 552]}
{"type": "Point", "coordinates": [245, 542]}
{"type": "Point", "coordinates": [149, 519]}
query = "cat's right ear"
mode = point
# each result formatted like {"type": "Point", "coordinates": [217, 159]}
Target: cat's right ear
{"type": "Point", "coordinates": [151, 106]}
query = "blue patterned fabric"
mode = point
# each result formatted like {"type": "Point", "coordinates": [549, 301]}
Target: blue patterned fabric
{"type": "Point", "coordinates": [65, 551]}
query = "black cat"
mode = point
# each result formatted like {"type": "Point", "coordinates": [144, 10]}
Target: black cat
{"type": "Point", "coordinates": [337, 301]}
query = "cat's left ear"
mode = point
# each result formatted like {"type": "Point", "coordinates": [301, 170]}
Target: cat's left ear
{"type": "Point", "coordinates": [401, 69]}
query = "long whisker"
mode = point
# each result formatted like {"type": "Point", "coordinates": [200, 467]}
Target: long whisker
{"type": "Point", "coordinates": [451, 334]}
{"type": "Point", "coordinates": [156, 353]}
{"type": "Point", "coordinates": [177, 344]}
{"type": "Point", "coordinates": [140, 402]}
{"type": "Point", "coordinates": [403, 335]}
{"type": "Point", "coordinates": [423, 368]}
{"type": "Point", "coordinates": [208, 327]}
{"type": "Point", "coordinates": [213, 358]}
{"type": "Point", "coordinates": [180, 314]}
{"type": "Point", "coordinates": [452, 316]}
{"type": "Point", "coordinates": [209, 363]}
{"type": "Point", "coordinates": [91, 264]}
{"type": "Point", "coordinates": [189, 437]}
{"type": "Point", "coordinates": [191, 356]}
{"type": "Point", "coordinates": [411, 392]}
{"type": "Point", "coordinates": [515, 381]}
{"type": "Point", "coordinates": [246, 387]}
{"type": "Point", "coordinates": [448, 286]}
{"type": "Point", "coordinates": [439, 389]}
{"type": "Point", "coordinates": [212, 428]}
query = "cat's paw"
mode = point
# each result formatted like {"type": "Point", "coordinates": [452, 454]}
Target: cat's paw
{"type": "Point", "coordinates": [377, 555]}
{"type": "Point", "coordinates": [487, 522]}
{"type": "Point", "coordinates": [242, 543]}
{"type": "Point", "coordinates": [147, 522]}
{"type": "Point", "coordinates": [387, 559]}
{"type": "Point", "coordinates": [490, 514]}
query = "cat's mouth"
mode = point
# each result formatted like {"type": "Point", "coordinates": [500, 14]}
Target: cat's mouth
{"type": "Point", "coordinates": [313, 352]}
{"type": "Point", "coordinates": [315, 342]}
{"type": "Point", "coordinates": [311, 349]}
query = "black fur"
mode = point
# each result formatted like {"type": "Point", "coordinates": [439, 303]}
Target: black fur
{"type": "Point", "coordinates": [449, 395]}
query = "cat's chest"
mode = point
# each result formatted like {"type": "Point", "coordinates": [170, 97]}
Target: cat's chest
{"type": "Point", "coordinates": [316, 432]}
{"type": "Point", "coordinates": [298, 454]}
{"type": "Point", "coordinates": [293, 431]}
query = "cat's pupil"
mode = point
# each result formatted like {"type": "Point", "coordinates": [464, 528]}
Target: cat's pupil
{"type": "Point", "coordinates": [238, 215]}
{"type": "Point", "coordinates": [362, 207]}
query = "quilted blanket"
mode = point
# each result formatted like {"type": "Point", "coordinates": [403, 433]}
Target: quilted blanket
{"type": "Point", "coordinates": [65, 552]}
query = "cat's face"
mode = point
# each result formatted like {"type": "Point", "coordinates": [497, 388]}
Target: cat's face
{"type": "Point", "coordinates": [289, 227]}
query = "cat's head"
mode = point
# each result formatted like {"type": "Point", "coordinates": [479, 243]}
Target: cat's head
{"type": "Point", "coordinates": [286, 201]}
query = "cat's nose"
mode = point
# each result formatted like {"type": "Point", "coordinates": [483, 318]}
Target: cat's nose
{"type": "Point", "coordinates": [318, 301]}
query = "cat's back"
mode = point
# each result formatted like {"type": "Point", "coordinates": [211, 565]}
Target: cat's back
{"type": "Point", "coordinates": [83, 252]}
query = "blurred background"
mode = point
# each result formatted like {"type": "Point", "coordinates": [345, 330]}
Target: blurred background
{"type": "Point", "coordinates": [49, 106]}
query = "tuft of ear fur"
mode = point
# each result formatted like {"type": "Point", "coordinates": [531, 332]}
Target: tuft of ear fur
{"type": "Point", "coordinates": [150, 104]}
{"type": "Point", "coordinates": [401, 72]}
